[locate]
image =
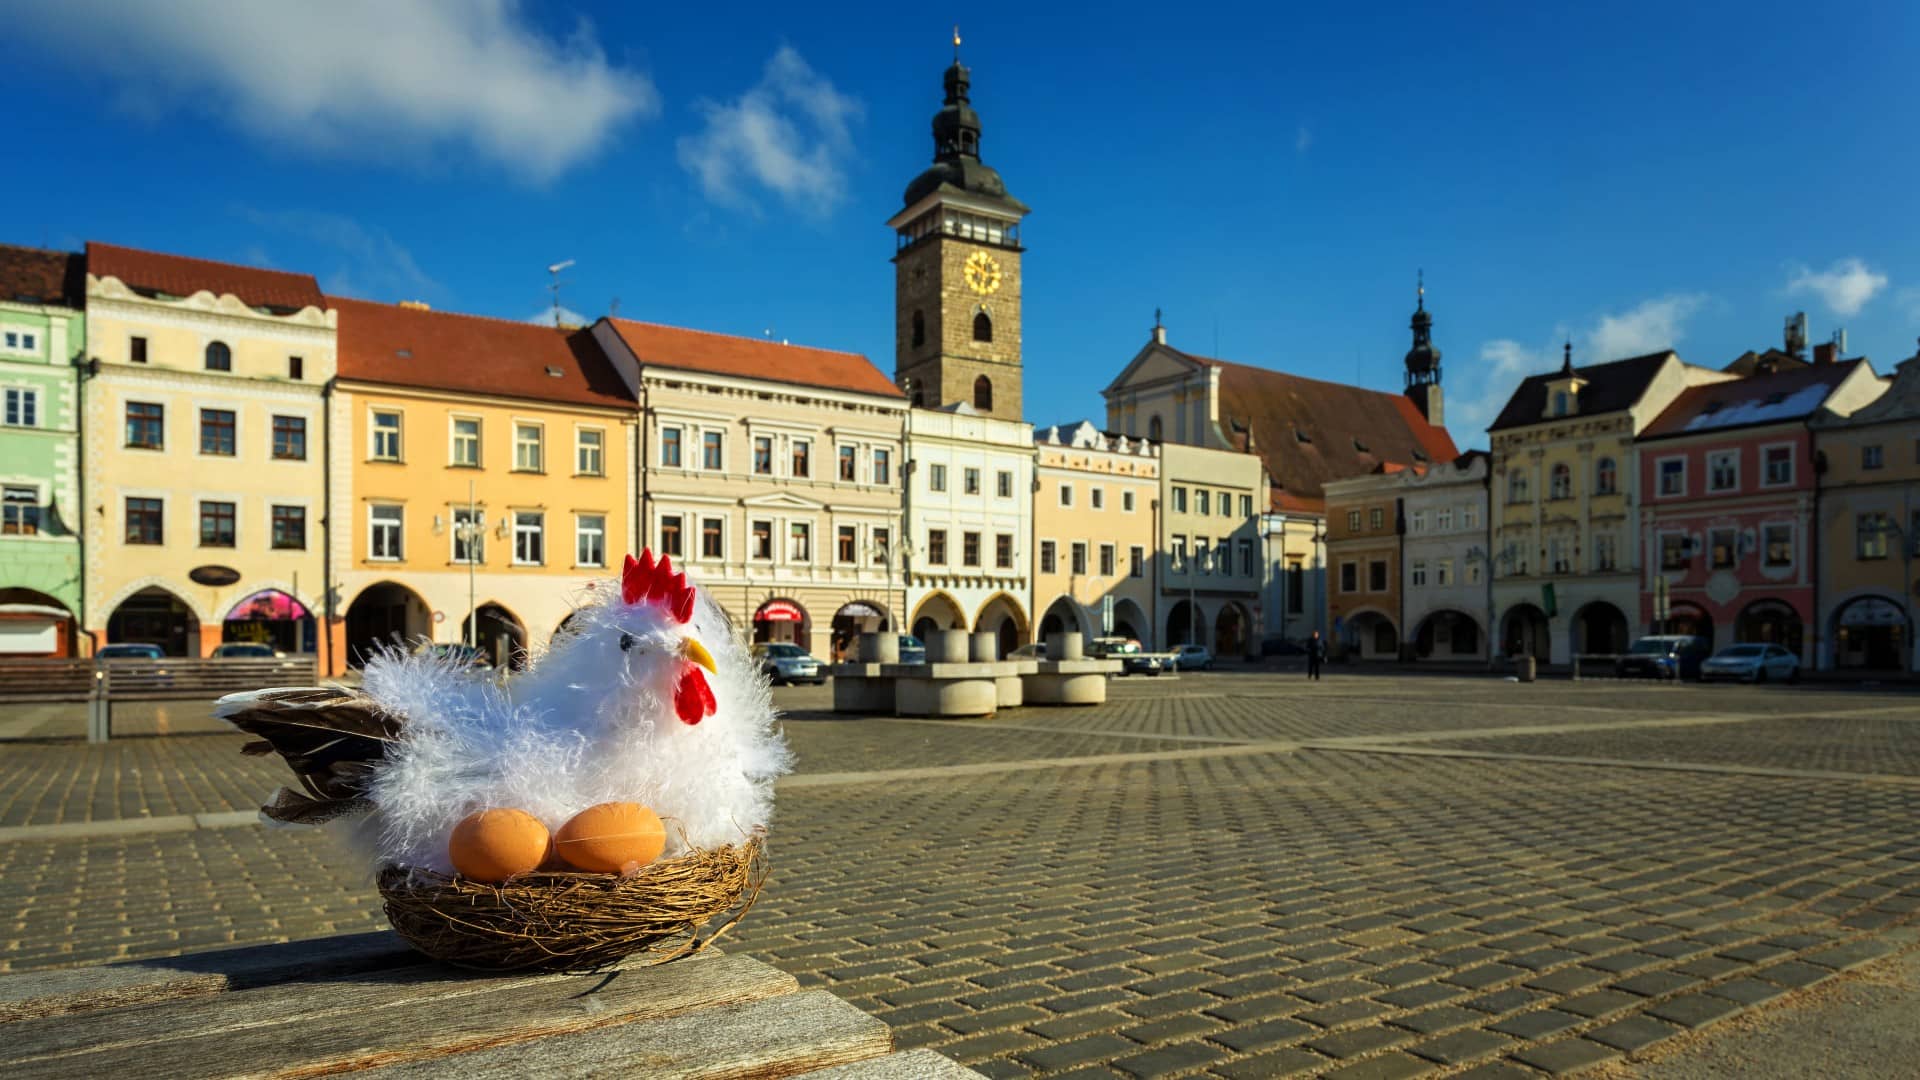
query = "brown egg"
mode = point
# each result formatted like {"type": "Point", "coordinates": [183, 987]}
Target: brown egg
{"type": "Point", "coordinates": [611, 838]}
{"type": "Point", "coordinates": [494, 845]}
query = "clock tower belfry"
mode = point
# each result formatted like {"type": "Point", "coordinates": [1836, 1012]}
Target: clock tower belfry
{"type": "Point", "coordinates": [957, 272]}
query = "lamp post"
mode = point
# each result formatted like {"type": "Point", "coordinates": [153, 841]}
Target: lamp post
{"type": "Point", "coordinates": [468, 531]}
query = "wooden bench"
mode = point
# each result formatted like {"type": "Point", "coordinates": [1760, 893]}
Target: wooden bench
{"type": "Point", "coordinates": [368, 1003]}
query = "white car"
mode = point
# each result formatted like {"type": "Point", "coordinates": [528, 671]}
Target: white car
{"type": "Point", "coordinates": [1751, 663]}
{"type": "Point", "coordinates": [1192, 658]}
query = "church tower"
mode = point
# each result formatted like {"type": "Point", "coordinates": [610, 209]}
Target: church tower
{"type": "Point", "coordinates": [1423, 364]}
{"type": "Point", "coordinates": [957, 272]}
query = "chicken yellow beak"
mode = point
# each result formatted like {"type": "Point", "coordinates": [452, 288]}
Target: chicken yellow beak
{"type": "Point", "coordinates": [697, 653]}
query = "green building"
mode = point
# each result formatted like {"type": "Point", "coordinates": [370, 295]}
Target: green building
{"type": "Point", "coordinates": [42, 337]}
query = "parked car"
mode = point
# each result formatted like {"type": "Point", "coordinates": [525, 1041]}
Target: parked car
{"type": "Point", "coordinates": [1035, 651]}
{"type": "Point", "coordinates": [460, 655]}
{"type": "Point", "coordinates": [1662, 656]}
{"type": "Point", "coordinates": [243, 650]}
{"type": "Point", "coordinates": [130, 650]}
{"type": "Point", "coordinates": [786, 663]}
{"type": "Point", "coordinates": [1279, 646]}
{"type": "Point", "coordinates": [912, 650]}
{"type": "Point", "coordinates": [1192, 658]}
{"type": "Point", "coordinates": [1751, 663]}
{"type": "Point", "coordinates": [1134, 660]}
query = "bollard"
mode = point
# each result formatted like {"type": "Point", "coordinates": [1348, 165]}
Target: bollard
{"type": "Point", "coordinates": [983, 647]}
{"type": "Point", "coordinates": [1528, 668]}
{"type": "Point", "coordinates": [1576, 667]}
{"type": "Point", "coordinates": [99, 708]}
{"type": "Point", "coordinates": [879, 648]}
{"type": "Point", "coordinates": [1066, 645]}
{"type": "Point", "coordinates": [947, 647]}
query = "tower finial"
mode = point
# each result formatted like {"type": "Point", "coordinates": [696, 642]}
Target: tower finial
{"type": "Point", "coordinates": [1420, 289]}
{"type": "Point", "coordinates": [1566, 362]}
{"type": "Point", "coordinates": [1156, 318]}
{"type": "Point", "coordinates": [956, 43]}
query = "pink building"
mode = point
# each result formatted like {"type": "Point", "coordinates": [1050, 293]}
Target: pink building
{"type": "Point", "coordinates": [1728, 502]}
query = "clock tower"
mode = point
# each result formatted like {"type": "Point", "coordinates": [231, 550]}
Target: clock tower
{"type": "Point", "coordinates": [957, 272]}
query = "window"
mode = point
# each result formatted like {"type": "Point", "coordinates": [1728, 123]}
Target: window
{"type": "Point", "coordinates": [1871, 457]}
{"type": "Point", "coordinates": [1179, 500]}
{"type": "Point", "coordinates": [802, 466]}
{"type": "Point", "coordinates": [1562, 401]}
{"type": "Point", "coordinates": [937, 547]}
{"type": "Point", "coordinates": [469, 535]}
{"type": "Point", "coordinates": [528, 454]}
{"type": "Point", "coordinates": [762, 455]}
{"type": "Point", "coordinates": [1003, 484]}
{"type": "Point", "coordinates": [1516, 486]}
{"type": "Point", "coordinates": [1606, 477]}
{"type": "Point", "coordinates": [845, 542]}
{"type": "Point", "coordinates": [670, 447]}
{"type": "Point", "coordinates": [849, 464]}
{"type": "Point", "coordinates": [1177, 554]}
{"type": "Point", "coordinates": [982, 331]}
{"type": "Point", "coordinates": [1779, 464]}
{"type": "Point", "coordinates": [1377, 576]}
{"type": "Point", "coordinates": [1723, 470]}
{"type": "Point", "coordinates": [1099, 496]}
{"type": "Point", "coordinates": [763, 539]}
{"type": "Point", "coordinates": [529, 537]}
{"type": "Point", "coordinates": [1560, 482]}
{"type": "Point", "coordinates": [1376, 519]}
{"type": "Point", "coordinates": [1870, 535]}
{"type": "Point", "coordinates": [1106, 560]}
{"type": "Point", "coordinates": [1077, 558]}
{"type": "Point", "coordinates": [1003, 551]}
{"type": "Point", "coordinates": [713, 543]}
{"type": "Point", "coordinates": [1673, 476]}
{"type": "Point", "coordinates": [1353, 521]}
{"type": "Point", "coordinates": [466, 442]}
{"type": "Point", "coordinates": [1778, 540]}
{"type": "Point", "coordinates": [1417, 521]}
{"type": "Point", "coordinates": [1419, 573]}
{"type": "Point", "coordinates": [23, 408]}
{"type": "Point", "coordinates": [1723, 548]}
{"type": "Point", "coordinates": [296, 368]}
{"type": "Point", "coordinates": [290, 528]}
{"type": "Point", "coordinates": [1126, 502]}
{"type": "Point", "coordinates": [670, 535]}
{"type": "Point", "coordinates": [216, 432]}
{"type": "Point", "coordinates": [383, 532]}
{"type": "Point", "coordinates": [290, 438]}
{"type": "Point", "coordinates": [1674, 553]}
{"type": "Point", "coordinates": [137, 350]}
{"type": "Point", "coordinates": [219, 357]}
{"type": "Point", "coordinates": [712, 448]}
{"type": "Point", "coordinates": [1136, 561]}
{"type": "Point", "coordinates": [1202, 503]}
{"type": "Point", "coordinates": [799, 542]}
{"type": "Point", "coordinates": [145, 425]}
{"type": "Point", "coordinates": [882, 546]}
{"type": "Point", "coordinates": [1246, 558]}
{"type": "Point", "coordinates": [590, 540]}
{"type": "Point", "coordinates": [19, 510]}
{"type": "Point", "coordinates": [937, 477]}
{"type": "Point", "coordinates": [1246, 506]}
{"type": "Point", "coordinates": [216, 524]}
{"type": "Point", "coordinates": [919, 329]}
{"type": "Point", "coordinates": [1297, 587]}
{"type": "Point", "coordinates": [1066, 494]}
{"type": "Point", "coordinates": [1605, 556]}
{"type": "Point", "coordinates": [1049, 557]}
{"type": "Point", "coordinates": [1443, 519]}
{"type": "Point", "coordinates": [1443, 572]}
{"type": "Point", "coordinates": [386, 437]}
{"type": "Point", "coordinates": [22, 340]}
{"type": "Point", "coordinates": [589, 452]}
{"type": "Point", "coordinates": [970, 549]}
{"type": "Point", "coordinates": [1469, 517]}
{"type": "Point", "coordinates": [1202, 555]}
{"type": "Point", "coordinates": [970, 481]}
{"type": "Point", "coordinates": [882, 467]}
{"type": "Point", "coordinates": [1349, 577]}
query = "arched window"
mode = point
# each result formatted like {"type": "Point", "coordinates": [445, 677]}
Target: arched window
{"type": "Point", "coordinates": [1606, 476]}
{"type": "Point", "coordinates": [219, 357]}
{"type": "Point", "coordinates": [919, 399]}
{"type": "Point", "coordinates": [982, 327]}
{"type": "Point", "coordinates": [1153, 429]}
{"type": "Point", "coordinates": [983, 394]}
{"type": "Point", "coordinates": [919, 329]}
{"type": "Point", "coordinates": [1516, 486]}
{"type": "Point", "coordinates": [1562, 482]}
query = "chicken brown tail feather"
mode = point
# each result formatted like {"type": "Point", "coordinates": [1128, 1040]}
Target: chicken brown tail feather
{"type": "Point", "coordinates": [289, 807]}
{"type": "Point", "coordinates": [330, 737]}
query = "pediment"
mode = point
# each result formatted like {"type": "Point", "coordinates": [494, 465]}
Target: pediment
{"type": "Point", "coordinates": [782, 500]}
{"type": "Point", "coordinates": [1152, 364]}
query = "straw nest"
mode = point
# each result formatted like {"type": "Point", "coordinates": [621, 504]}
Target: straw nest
{"type": "Point", "coordinates": [573, 921]}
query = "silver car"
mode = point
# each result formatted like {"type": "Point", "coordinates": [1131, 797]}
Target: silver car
{"type": "Point", "coordinates": [1751, 663]}
{"type": "Point", "coordinates": [787, 663]}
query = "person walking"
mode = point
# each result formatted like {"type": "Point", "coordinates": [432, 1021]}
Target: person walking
{"type": "Point", "coordinates": [1316, 655]}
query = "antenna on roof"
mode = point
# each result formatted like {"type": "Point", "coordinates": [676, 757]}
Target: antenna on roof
{"type": "Point", "coordinates": [554, 270]}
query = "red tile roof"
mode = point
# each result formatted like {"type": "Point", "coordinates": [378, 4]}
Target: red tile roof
{"type": "Point", "coordinates": [752, 358]}
{"type": "Point", "coordinates": [178, 275]}
{"type": "Point", "coordinates": [398, 346]}
{"type": "Point", "coordinates": [33, 276]}
{"type": "Point", "coordinates": [1348, 430]}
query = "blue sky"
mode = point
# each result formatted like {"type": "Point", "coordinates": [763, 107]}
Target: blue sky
{"type": "Point", "coordinates": [1628, 175]}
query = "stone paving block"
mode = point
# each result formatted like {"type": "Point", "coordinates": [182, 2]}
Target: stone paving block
{"type": "Point", "coordinates": [1090, 999]}
{"type": "Point", "coordinates": [1414, 997]}
{"type": "Point", "coordinates": [1568, 980]}
{"type": "Point", "coordinates": [1002, 1069]}
{"type": "Point", "coordinates": [1485, 975]}
{"type": "Point", "coordinates": [1695, 1010]}
{"type": "Point", "coordinates": [1168, 1060]}
{"type": "Point", "coordinates": [1347, 1012]}
{"type": "Point", "coordinates": [1537, 1025]}
{"type": "Point", "coordinates": [1258, 1036]}
{"type": "Point", "coordinates": [1461, 1047]}
{"type": "Point", "coordinates": [1600, 1003]}
{"type": "Point", "coordinates": [1506, 1001]}
{"type": "Point", "coordinates": [1355, 1042]}
{"type": "Point", "coordinates": [1325, 993]}
{"type": "Point", "coordinates": [1173, 1028]}
{"type": "Point", "coordinates": [1632, 1033]}
{"type": "Point", "coordinates": [1430, 1021]}
{"type": "Point", "coordinates": [1392, 1065]}
{"type": "Point", "coordinates": [1191, 1000]}
{"type": "Point", "coordinates": [1073, 1025]}
{"type": "Point", "coordinates": [1746, 991]}
{"type": "Point", "coordinates": [1795, 974]}
{"type": "Point", "coordinates": [1083, 1051]}
{"type": "Point", "coordinates": [1403, 974]}
{"type": "Point", "coordinates": [1010, 1016]}
{"type": "Point", "coordinates": [1259, 1008]}
{"type": "Point", "coordinates": [1851, 955]}
{"type": "Point", "coordinates": [1496, 1070]}
{"type": "Point", "coordinates": [1565, 1055]}
{"type": "Point", "coordinates": [1273, 1063]}
{"type": "Point", "coordinates": [1656, 983]}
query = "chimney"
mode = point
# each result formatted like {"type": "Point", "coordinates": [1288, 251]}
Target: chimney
{"type": "Point", "coordinates": [1826, 352]}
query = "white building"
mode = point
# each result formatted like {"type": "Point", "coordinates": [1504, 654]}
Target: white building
{"type": "Point", "coordinates": [1445, 584]}
{"type": "Point", "coordinates": [969, 522]}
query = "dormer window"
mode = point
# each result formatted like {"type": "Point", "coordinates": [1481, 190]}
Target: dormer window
{"type": "Point", "coordinates": [1562, 403]}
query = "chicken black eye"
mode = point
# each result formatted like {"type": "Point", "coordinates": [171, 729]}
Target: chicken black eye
{"type": "Point", "coordinates": [626, 642]}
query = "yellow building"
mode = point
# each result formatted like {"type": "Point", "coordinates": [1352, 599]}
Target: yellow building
{"type": "Point", "coordinates": [484, 474]}
{"type": "Point", "coordinates": [1094, 518]}
{"type": "Point", "coordinates": [205, 452]}
{"type": "Point", "coordinates": [1869, 530]}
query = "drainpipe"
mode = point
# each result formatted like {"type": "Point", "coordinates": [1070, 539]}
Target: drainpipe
{"type": "Point", "coordinates": [82, 370]}
{"type": "Point", "coordinates": [1400, 529]}
{"type": "Point", "coordinates": [639, 532]}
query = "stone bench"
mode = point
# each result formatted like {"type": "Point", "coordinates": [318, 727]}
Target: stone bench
{"type": "Point", "coordinates": [1067, 676]}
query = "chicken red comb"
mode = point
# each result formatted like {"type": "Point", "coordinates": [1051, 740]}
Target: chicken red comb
{"type": "Point", "coordinates": [642, 579]}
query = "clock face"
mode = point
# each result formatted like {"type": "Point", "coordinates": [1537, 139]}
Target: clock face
{"type": "Point", "coordinates": [983, 274]}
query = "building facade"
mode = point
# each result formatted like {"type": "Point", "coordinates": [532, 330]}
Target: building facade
{"type": "Point", "coordinates": [1566, 561]}
{"type": "Point", "coordinates": [1364, 559]}
{"type": "Point", "coordinates": [205, 458]}
{"type": "Point", "coordinates": [1726, 515]}
{"type": "Point", "coordinates": [772, 473]}
{"type": "Point", "coordinates": [483, 472]}
{"type": "Point", "coordinates": [42, 341]}
{"type": "Point", "coordinates": [1095, 535]}
{"type": "Point", "coordinates": [1868, 531]}
{"type": "Point", "coordinates": [969, 516]}
{"type": "Point", "coordinates": [1210, 548]}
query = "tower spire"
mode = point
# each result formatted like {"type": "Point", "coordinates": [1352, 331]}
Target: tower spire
{"type": "Point", "coordinates": [1423, 360]}
{"type": "Point", "coordinates": [1566, 358]}
{"type": "Point", "coordinates": [956, 43]}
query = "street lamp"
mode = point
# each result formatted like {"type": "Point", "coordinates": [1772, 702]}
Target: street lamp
{"type": "Point", "coordinates": [468, 532]}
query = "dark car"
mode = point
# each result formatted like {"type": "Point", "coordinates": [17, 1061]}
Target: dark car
{"type": "Point", "coordinates": [1663, 656]}
{"type": "Point", "coordinates": [912, 650]}
{"type": "Point", "coordinates": [130, 650]}
{"type": "Point", "coordinates": [243, 650]}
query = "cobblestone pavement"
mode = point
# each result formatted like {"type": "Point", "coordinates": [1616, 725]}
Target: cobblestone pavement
{"type": "Point", "coordinates": [1229, 875]}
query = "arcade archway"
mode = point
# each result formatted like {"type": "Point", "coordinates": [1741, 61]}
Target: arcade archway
{"type": "Point", "coordinates": [154, 616]}
{"type": "Point", "coordinates": [1771, 622]}
{"type": "Point", "coordinates": [781, 619]}
{"type": "Point", "coordinates": [499, 635]}
{"type": "Point", "coordinates": [385, 615]}
{"type": "Point", "coordinates": [1690, 619]}
{"type": "Point", "coordinates": [1371, 636]}
{"type": "Point", "coordinates": [1600, 629]}
{"type": "Point", "coordinates": [1524, 632]}
{"type": "Point", "coordinates": [1003, 617]}
{"type": "Point", "coordinates": [1185, 626]}
{"type": "Point", "coordinates": [1131, 622]}
{"type": "Point", "coordinates": [854, 618]}
{"type": "Point", "coordinates": [937, 611]}
{"type": "Point", "coordinates": [1230, 629]}
{"type": "Point", "coordinates": [1871, 633]}
{"type": "Point", "coordinates": [273, 618]}
{"type": "Point", "coordinates": [1447, 634]}
{"type": "Point", "coordinates": [33, 624]}
{"type": "Point", "coordinates": [1062, 617]}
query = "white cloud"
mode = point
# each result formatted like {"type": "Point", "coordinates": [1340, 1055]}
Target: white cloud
{"type": "Point", "coordinates": [1302, 140]}
{"type": "Point", "coordinates": [790, 134]}
{"type": "Point", "coordinates": [1909, 301]}
{"type": "Point", "coordinates": [1649, 327]}
{"type": "Point", "coordinates": [367, 78]}
{"type": "Point", "coordinates": [366, 262]}
{"type": "Point", "coordinates": [1845, 287]}
{"type": "Point", "coordinates": [567, 317]}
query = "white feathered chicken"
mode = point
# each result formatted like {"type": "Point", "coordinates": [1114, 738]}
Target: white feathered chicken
{"type": "Point", "coordinates": [628, 705]}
